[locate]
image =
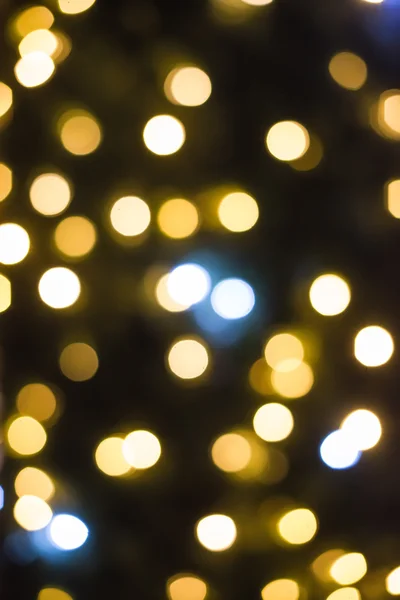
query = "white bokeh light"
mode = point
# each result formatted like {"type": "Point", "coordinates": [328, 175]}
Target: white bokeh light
{"type": "Point", "coordinates": [68, 532]}
{"type": "Point", "coordinates": [339, 450]}
{"type": "Point", "coordinates": [363, 427]}
{"type": "Point", "coordinates": [232, 299]}
{"type": "Point", "coordinates": [373, 346]}
{"type": "Point", "coordinates": [188, 284]}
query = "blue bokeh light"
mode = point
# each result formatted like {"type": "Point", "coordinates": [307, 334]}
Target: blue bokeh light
{"type": "Point", "coordinates": [232, 299]}
{"type": "Point", "coordinates": [339, 451]}
{"type": "Point", "coordinates": [67, 532]}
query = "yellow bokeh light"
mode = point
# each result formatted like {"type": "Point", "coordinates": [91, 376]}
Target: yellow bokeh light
{"type": "Point", "coordinates": [34, 482]}
{"type": "Point", "coordinates": [36, 17]}
{"type": "Point", "coordinates": [75, 236]}
{"type": "Point", "coordinates": [348, 70]}
{"type": "Point", "coordinates": [79, 361]}
{"type": "Point", "coordinates": [390, 113]}
{"type": "Point", "coordinates": [392, 582]}
{"type": "Point", "coordinates": [74, 7]}
{"type": "Point", "coordinates": [281, 589]}
{"type": "Point", "coordinates": [329, 294]}
{"type": "Point", "coordinates": [295, 383]}
{"type": "Point", "coordinates": [32, 513]}
{"type": "Point", "coordinates": [363, 427]}
{"type": "Point", "coordinates": [26, 436]}
{"type": "Point", "coordinates": [53, 594]}
{"type": "Point", "coordinates": [6, 98]}
{"type": "Point", "coordinates": [287, 140]}
{"type": "Point", "coordinates": [50, 194]}
{"type": "Point", "coordinates": [37, 400]}
{"type": "Point", "coordinates": [259, 377]}
{"type": "Point", "coordinates": [5, 293]}
{"type": "Point", "coordinates": [216, 532]}
{"type": "Point", "coordinates": [141, 449]}
{"type": "Point", "coordinates": [349, 568]}
{"type": "Point", "coordinates": [322, 564]}
{"type": "Point", "coordinates": [80, 133]}
{"type": "Point", "coordinates": [311, 159]}
{"type": "Point", "coordinates": [164, 298]}
{"type": "Point", "coordinates": [40, 40]}
{"type": "Point", "coordinates": [238, 212]}
{"type": "Point", "coordinates": [164, 134]}
{"type": "Point", "coordinates": [231, 452]}
{"type": "Point", "coordinates": [188, 85]}
{"type": "Point", "coordinates": [5, 181]}
{"type": "Point", "coordinates": [188, 359]}
{"type": "Point", "coordinates": [284, 352]}
{"type": "Point", "coordinates": [373, 346]}
{"type": "Point", "coordinates": [186, 587]}
{"type": "Point", "coordinates": [298, 526]}
{"type": "Point", "coordinates": [392, 192]}
{"type": "Point", "coordinates": [64, 47]}
{"type": "Point", "coordinates": [59, 287]}
{"type": "Point", "coordinates": [34, 69]}
{"type": "Point", "coordinates": [130, 216]}
{"type": "Point", "coordinates": [178, 218]}
{"type": "Point", "coordinates": [273, 422]}
{"type": "Point", "coordinates": [110, 459]}
{"type": "Point", "coordinates": [14, 243]}
{"type": "Point", "coordinates": [346, 593]}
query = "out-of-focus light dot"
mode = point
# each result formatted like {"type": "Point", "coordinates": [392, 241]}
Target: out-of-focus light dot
{"type": "Point", "coordinates": [75, 236]}
{"type": "Point", "coordinates": [273, 422]}
{"type": "Point", "coordinates": [322, 564]}
{"type": "Point", "coordinates": [349, 568]}
{"type": "Point", "coordinates": [391, 112]}
{"type": "Point", "coordinates": [295, 383]}
{"type": "Point", "coordinates": [311, 159]}
{"type": "Point", "coordinates": [284, 352]}
{"type": "Point", "coordinates": [392, 582]}
{"type": "Point", "coordinates": [287, 140]}
{"type": "Point", "coordinates": [373, 346]}
{"type": "Point", "coordinates": [231, 452]}
{"type": "Point", "coordinates": [141, 449]}
{"type": "Point", "coordinates": [348, 70]}
{"type": "Point", "coordinates": [363, 427]}
{"type": "Point", "coordinates": [73, 7]}
{"type": "Point", "coordinates": [1, 498]}
{"type": "Point", "coordinates": [392, 198]}
{"type": "Point", "coordinates": [164, 297]}
{"type": "Point", "coordinates": [36, 400]}
{"type": "Point", "coordinates": [178, 218]}
{"type": "Point", "coordinates": [186, 587]}
{"type": "Point", "coordinates": [36, 17]}
{"type": "Point", "coordinates": [59, 287]}
{"type": "Point", "coordinates": [238, 212]}
{"type": "Point", "coordinates": [216, 532]}
{"type": "Point", "coordinates": [6, 98]}
{"type": "Point", "coordinates": [329, 295]}
{"type": "Point", "coordinates": [281, 589]}
{"type": "Point", "coordinates": [50, 194]}
{"type": "Point", "coordinates": [53, 594]}
{"type": "Point", "coordinates": [14, 243]}
{"type": "Point", "coordinates": [68, 532]}
{"type": "Point", "coordinates": [189, 86]}
{"type": "Point", "coordinates": [80, 133]}
{"type": "Point", "coordinates": [130, 216]}
{"type": "Point", "coordinates": [64, 47]}
{"type": "Point", "coordinates": [32, 513]}
{"type": "Point", "coordinates": [110, 459]}
{"type": "Point", "coordinates": [34, 69]}
{"type": "Point", "coordinates": [5, 181]}
{"type": "Point", "coordinates": [339, 451]}
{"type": "Point", "coordinates": [164, 135]}
{"type": "Point", "coordinates": [34, 482]}
{"type": "Point", "coordinates": [232, 299]}
{"type": "Point", "coordinates": [346, 593]}
{"type": "Point", "coordinates": [257, 2]}
{"type": "Point", "coordinates": [40, 40]}
{"type": "Point", "coordinates": [298, 526]}
{"type": "Point", "coordinates": [188, 284]}
{"type": "Point", "coordinates": [5, 293]}
{"type": "Point", "coordinates": [259, 377]}
{"type": "Point", "coordinates": [188, 359]}
{"type": "Point", "coordinates": [26, 436]}
{"type": "Point", "coordinates": [79, 361]}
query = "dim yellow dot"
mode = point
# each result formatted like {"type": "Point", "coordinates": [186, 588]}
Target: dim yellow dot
{"type": "Point", "coordinates": [53, 594]}
{"type": "Point", "coordinates": [259, 377]}
{"type": "Point", "coordinates": [79, 362]}
{"type": "Point", "coordinates": [26, 436]}
{"type": "Point", "coordinates": [373, 346]}
{"type": "Point", "coordinates": [6, 98]}
{"type": "Point", "coordinates": [141, 449]}
{"type": "Point", "coordinates": [347, 593]}
{"type": "Point", "coordinates": [216, 532]}
{"type": "Point", "coordinates": [64, 47]}
{"type": "Point", "coordinates": [37, 400]}
{"type": "Point", "coordinates": [40, 40]}
{"type": "Point", "coordinates": [281, 589]}
{"type": "Point", "coordinates": [349, 568]}
{"type": "Point", "coordinates": [75, 236]}
{"type": "Point", "coordinates": [186, 587]}
{"type": "Point", "coordinates": [50, 194]}
{"type": "Point", "coordinates": [34, 69]}
{"type": "Point", "coordinates": [329, 295]}
{"type": "Point", "coordinates": [34, 482]}
{"type": "Point", "coordinates": [295, 383]}
{"type": "Point", "coordinates": [392, 192]}
{"type": "Point", "coordinates": [321, 566]}
{"type": "Point", "coordinates": [178, 218]}
{"type": "Point", "coordinates": [188, 359]}
{"type": "Point", "coordinates": [36, 17]}
{"type": "Point", "coordinates": [73, 7]}
{"type": "Point", "coordinates": [189, 86]}
{"type": "Point", "coordinates": [164, 135]}
{"type": "Point", "coordinates": [363, 427]}
{"type": "Point", "coordinates": [5, 181]}
{"type": "Point", "coordinates": [393, 582]}
{"type": "Point", "coordinates": [59, 287]}
{"type": "Point", "coordinates": [5, 293]}
{"type": "Point", "coordinates": [109, 457]}
{"type": "Point", "coordinates": [298, 526]}
{"type": "Point", "coordinates": [130, 216]}
{"type": "Point", "coordinates": [287, 140]}
{"type": "Point", "coordinates": [32, 513]}
{"type": "Point", "coordinates": [273, 422]}
{"type": "Point", "coordinates": [164, 298]}
{"type": "Point", "coordinates": [284, 352]}
{"type": "Point", "coordinates": [14, 243]}
{"type": "Point", "coordinates": [80, 133]}
{"type": "Point", "coordinates": [238, 212]}
{"type": "Point", "coordinates": [348, 70]}
{"type": "Point", "coordinates": [231, 452]}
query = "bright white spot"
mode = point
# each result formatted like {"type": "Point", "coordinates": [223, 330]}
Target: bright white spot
{"type": "Point", "coordinates": [339, 451]}
{"type": "Point", "coordinates": [232, 299]}
{"type": "Point", "coordinates": [373, 346]}
{"type": "Point", "coordinates": [68, 532]}
{"type": "Point", "coordinates": [188, 284]}
{"type": "Point", "coordinates": [363, 427]}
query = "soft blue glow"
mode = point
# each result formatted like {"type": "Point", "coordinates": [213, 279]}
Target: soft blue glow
{"type": "Point", "coordinates": [232, 299]}
{"type": "Point", "coordinates": [1, 497]}
{"type": "Point", "coordinates": [18, 547]}
{"type": "Point", "coordinates": [339, 451]}
{"type": "Point", "coordinates": [67, 532]}
{"type": "Point", "coordinates": [188, 284]}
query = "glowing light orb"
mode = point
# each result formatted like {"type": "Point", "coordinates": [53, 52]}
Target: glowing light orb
{"type": "Point", "coordinates": [231, 452]}
{"type": "Point", "coordinates": [189, 86]}
{"type": "Point", "coordinates": [34, 69]}
{"type": "Point", "coordinates": [287, 140]}
{"type": "Point", "coordinates": [349, 568]}
{"type": "Point", "coordinates": [32, 513]}
{"type": "Point", "coordinates": [363, 427]}
{"type": "Point", "coordinates": [6, 181]}
{"type": "Point", "coordinates": [141, 449]}
{"type": "Point", "coordinates": [53, 594]}
{"type": "Point", "coordinates": [322, 564]}
{"type": "Point", "coordinates": [164, 298]}
{"type": "Point", "coordinates": [68, 532]}
{"type": "Point", "coordinates": [348, 70]}
{"type": "Point", "coordinates": [298, 526]}
{"type": "Point", "coordinates": [80, 133]}
{"type": "Point", "coordinates": [110, 459]}
{"type": "Point", "coordinates": [339, 451]}
{"type": "Point", "coordinates": [40, 40]}
{"type": "Point", "coordinates": [34, 482]}
{"type": "Point", "coordinates": [5, 293]}
{"type": "Point", "coordinates": [346, 593]}
{"type": "Point", "coordinates": [281, 589]}
{"type": "Point", "coordinates": [188, 359]}
{"type": "Point", "coordinates": [186, 587]}
{"type": "Point", "coordinates": [294, 383]}
{"type": "Point", "coordinates": [164, 135]}
{"type": "Point", "coordinates": [74, 7]}
{"type": "Point", "coordinates": [75, 236]}
{"type": "Point", "coordinates": [59, 287]}
{"type": "Point", "coordinates": [273, 422]}
{"type": "Point", "coordinates": [188, 284]}
{"type": "Point", "coordinates": [392, 582]}
{"type": "Point", "coordinates": [393, 197]}
{"type": "Point", "coordinates": [284, 352]}
{"type": "Point", "coordinates": [373, 346]}
{"type": "Point", "coordinates": [14, 243]}
{"type": "Point", "coordinates": [79, 361]}
{"type": "Point", "coordinates": [178, 218]}
{"type": "Point", "coordinates": [50, 194]}
{"type": "Point", "coordinates": [238, 212]}
{"type": "Point", "coordinates": [216, 532]}
{"type": "Point", "coordinates": [232, 299]}
{"type": "Point", "coordinates": [6, 98]}
{"type": "Point", "coordinates": [26, 436]}
{"type": "Point", "coordinates": [36, 400]}
{"type": "Point", "coordinates": [130, 216]}
{"type": "Point", "coordinates": [30, 19]}
{"type": "Point", "coordinates": [329, 295]}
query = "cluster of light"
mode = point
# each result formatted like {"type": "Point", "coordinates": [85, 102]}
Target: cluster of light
{"type": "Point", "coordinates": [5, 293]}
{"type": "Point", "coordinates": [346, 593]}
{"type": "Point", "coordinates": [393, 197]}
{"type": "Point", "coordinates": [141, 449]}
{"type": "Point", "coordinates": [186, 587]}
{"type": "Point", "coordinates": [53, 594]}
{"type": "Point", "coordinates": [329, 295]}
{"type": "Point", "coordinates": [59, 287]}
{"type": "Point", "coordinates": [298, 526]}
{"type": "Point", "coordinates": [109, 457]}
{"type": "Point", "coordinates": [281, 589]}
{"type": "Point", "coordinates": [39, 40]}
{"type": "Point", "coordinates": [75, 236]}
{"type": "Point", "coordinates": [232, 299]}
{"type": "Point", "coordinates": [295, 383]}
{"type": "Point", "coordinates": [26, 436]}
{"type": "Point", "coordinates": [231, 452]}
{"type": "Point", "coordinates": [392, 582]}
{"type": "Point", "coordinates": [32, 513]}
{"type": "Point", "coordinates": [273, 422]}
{"type": "Point", "coordinates": [14, 243]}
{"type": "Point", "coordinates": [50, 194]}
{"type": "Point", "coordinates": [80, 133]}
{"type": "Point", "coordinates": [287, 140]}
{"type": "Point", "coordinates": [349, 568]}
{"type": "Point", "coordinates": [74, 7]}
{"type": "Point", "coordinates": [6, 98]}
{"type": "Point", "coordinates": [178, 218]}
{"type": "Point", "coordinates": [34, 482]}
{"type": "Point", "coordinates": [130, 216]}
{"type": "Point", "coordinates": [35, 17]}
{"type": "Point", "coordinates": [188, 358]}
{"type": "Point", "coordinates": [188, 284]}
{"type": "Point", "coordinates": [216, 532]}
{"type": "Point", "coordinates": [284, 352]}
{"type": "Point", "coordinates": [79, 361]}
{"type": "Point", "coordinates": [5, 181]}
{"type": "Point", "coordinates": [164, 298]}
{"type": "Point", "coordinates": [36, 400]}
{"type": "Point", "coordinates": [187, 85]}
{"type": "Point", "coordinates": [34, 69]}
{"type": "Point", "coordinates": [238, 212]}
{"type": "Point", "coordinates": [339, 451]}
{"type": "Point", "coordinates": [363, 428]}
{"type": "Point", "coordinates": [68, 532]}
{"type": "Point", "coordinates": [348, 70]}
{"type": "Point", "coordinates": [373, 346]}
{"type": "Point", "coordinates": [164, 135]}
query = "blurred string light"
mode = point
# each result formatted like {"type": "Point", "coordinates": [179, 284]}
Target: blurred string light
{"type": "Point", "coordinates": [346, 593]}
{"type": "Point", "coordinates": [26, 436]}
{"type": "Point", "coordinates": [259, 377]}
{"type": "Point", "coordinates": [273, 422]}
{"type": "Point", "coordinates": [187, 85]}
{"type": "Point", "coordinates": [39, 40]}
{"type": "Point", "coordinates": [130, 216]}
{"type": "Point", "coordinates": [388, 114]}
{"type": "Point", "coordinates": [392, 582]}
{"type": "Point", "coordinates": [141, 449]}
{"type": "Point", "coordinates": [32, 513]}
{"type": "Point", "coordinates": [110, 458]}
{"type": "Point", "coordinates": [67, 532]}
{"type": "Point", "coordinates": [373, 346]}
{"type": "Point", "coordinates": [349, 568]}
{"type": "Point", "coordinates": [232, 299]}
{"type": "Point", "coordinates": [295, 383]}
{"type": "Point", "coordinates": [339, 451]}
{"type": "Point", "coordinates": [188, 284]}
{"type": "Point", "coordinates": [164, 135]}
{"type": "Point", "coordinates": [36, 400]}
{"type": "Point", "coordinates": [59, 287]}
{"type": "Point", "coordinates": [287, 140]}
{"type": "Point", "coordinates": [329, 294]}
{"type": "Point", "coordinates": [74, 7]}
{"type": "Point", "coordinates": [34, 69]}
{"type": "Point", "coordinates": [348, 70]}
{"type": "Point", "coordinates": [80, 133]}
{"type": "Point", "coordinates": [186, 587]}
{"type": "Point", "coordinates": [14, 243]}
{"type": "Point", "coordinates": [5, 293]}
{"type": "Point", "coordinates": [50, 194]}
{"type": "Point", "coordinates": [164, 298]}
{"type": "Point", "coordinates": [34, 482]}
{"type": "Point", "coordinates": [30, 19]}
{"type": "Point", "coordinates": [238, 212]}
{"type": "Point", "coordinates": [298, 526]}
{"type": "Point", "coordinates": [322, 564]}
{"type": "Point", "coordinates": [231, 452]}
{"type": "Point", "coordinates": [6, 98]}
{"type": "Point", "coordinates": [284, 352]}
{"type": "Point", "coordinates": [363, 428]}
{"type": "Point", "coordinates": [178, 218]}
{"type": "Point", "coordinates": [392, 193]}
{"type": "Point", "coordinates": [50, 593]}
{"type": "Point", "coordinates": [216, 532]}
{"type": "Point", "coordinates": [188, 358]}
{"type": "Point", "coordinates": [5, 181]}
{"type": "Point", "coordinates": [79, 361]}
{"type": "Point", "coordinates": [281, 589]}
{"type": "Point", "coordinates": [75, 237]}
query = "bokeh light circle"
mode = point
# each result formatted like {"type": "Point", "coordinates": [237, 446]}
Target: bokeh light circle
{"type": "Point", "coordinates": [164, 135]}
{"type": "Point", "coordinates": [216, 532]}
{"type": "Point", "coordinates": [67, 532]}
{"type": "Point", "coordinates": [188, 359]}
{"type": "Point", "coordinates": [233, 299]}
{"type": "Point", "coordinates": [363, 427]}
{"type": "Point", "coordinates": [287, 140]}
{"type": "Point", "coordinates": [141, 449]}
{"type": "Point", "coordinates": [32, 513]}
{"type": "Point", "coordinates": [188, 284]}
{"type": "Point", "coordinates": [14, 243]}
{"type": "Point", "coordinates": [130, 216]}
{"type": "Point", "coordinates": [339, 451]}
{"type": "Point", "coordinates": [273, 422]}
{"type": "Point", "coordinates": [59, 287]}
{"type": "Point", "coordinates": [329, 294]}
{"type": "Point", "coordinates": [238, 212]}
{"type": "Point", "coordinates": [373, 346]}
